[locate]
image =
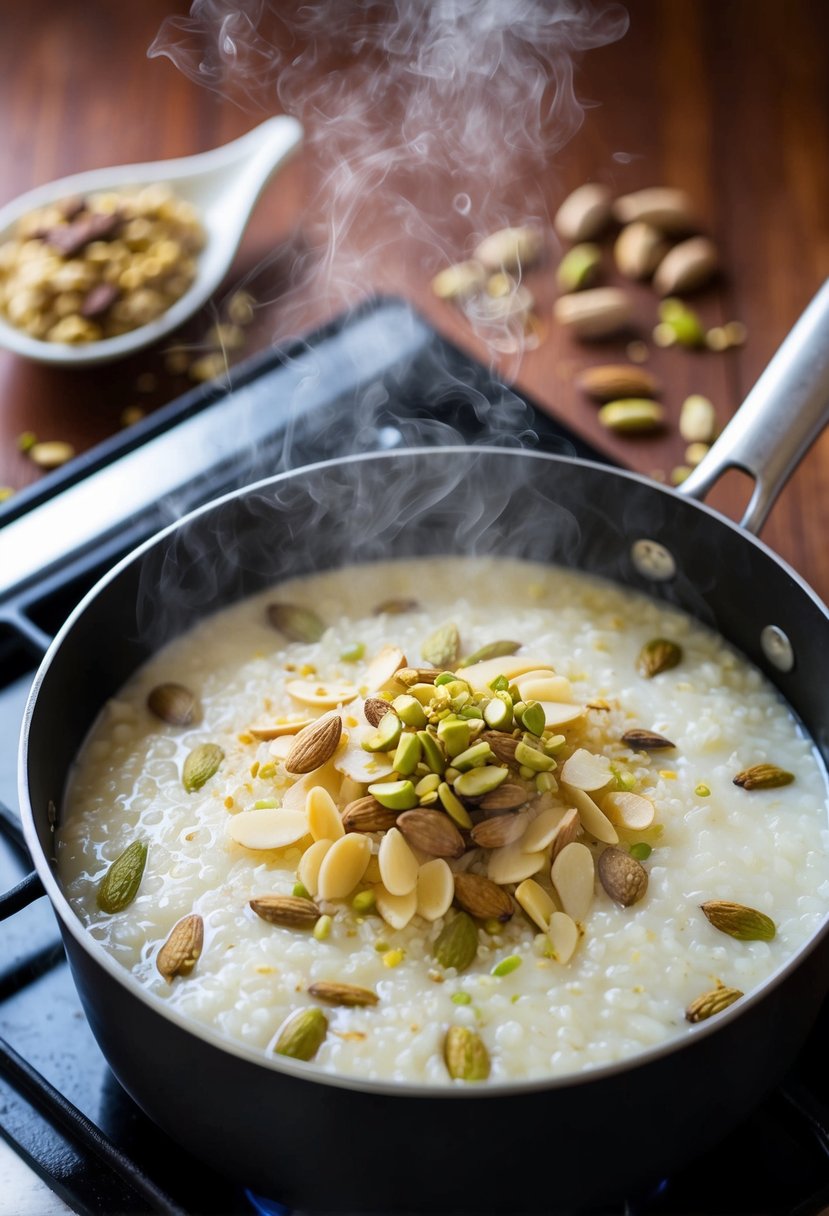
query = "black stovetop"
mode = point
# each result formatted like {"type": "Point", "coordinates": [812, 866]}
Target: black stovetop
{"type": "Point", "coordinates": [380, 378]}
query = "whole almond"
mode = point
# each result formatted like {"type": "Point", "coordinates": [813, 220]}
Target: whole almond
{"type": "Point", "coordinates": [482, 898]}
{"type": "Point", "coordinates": [498, 831]}
{"type": "Point", "coordinates": [507, 797]}
{"type": "Point", "coordinates": [621, 875]}
{"type": "Point", "coordinates": [596, 313]}
{"type": "Point", "coordinates": [584, 214]}
{"type": "Point", "coordinates": [375, 709]}
{"type": "Point", "coordinates": [349, 995]}
{"type": "Point", "coordinates": [181, 951]}
{"type": "Point", "coordinates": [315, 744]}
{"type": "Point", "coordinates": [503, 745]}
{"type": "Point", "coordinates": [613, 381]}
{"type": "Point", "coordinates": [689, 265]}
{"type": "Point", "coordinates": [368, 815]}
{"type": "Point", "coordinates": [431, 832]}
{"type": "Point", "coordinates": [290, 911]}
{"type": "Point", "coordinates": [646, 740]}
{"type": "Point", "coordinates": [665, 208]}
{"type": "Point", "coordinates": [638, 250]}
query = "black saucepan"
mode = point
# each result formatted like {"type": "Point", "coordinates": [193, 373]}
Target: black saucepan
{"type": "Point", "coordinates": [346, 1144]}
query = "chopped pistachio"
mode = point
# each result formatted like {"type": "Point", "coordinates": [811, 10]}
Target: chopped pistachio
{"type": "Point", "coordinates": [506, 965]}
{"type": "Point", "coordinates": [353, 653]}
{"type": "Point", "coordinates": [322, 929]}
{"type": "Point", "coordinates": [300, 891]}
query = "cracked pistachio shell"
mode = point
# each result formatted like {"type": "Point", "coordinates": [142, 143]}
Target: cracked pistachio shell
{"type": "Point", "coordinates": [296, 623]}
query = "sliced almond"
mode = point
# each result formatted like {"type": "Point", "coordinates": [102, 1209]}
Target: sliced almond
{"type": "Point", "coordinates": [315, 744]}
{"type": "Point", "coordinates": [435, 889]}
{"type": "Point", "coordinates": [512, 864]}
{"type": "Point", "coordinates": [560, 713]}
{"type": "Point", "coordinates": [499, 831]}
{"type": "Point", "coordinates": [321, 695]}
{"type": "Point", "coordinates": [543, 829]}
{"type": "Point", "coordinates": [268, 829]}
{"type": "Point", "coordinates": [309, 865]}
{"type": "Point", "coordinates": [543, 686]}
{"type": "Point", "coordinates": [327, 776]}
{"type": "Point", "coordinates": [324, 822]}
{"type": "Point", "coordinates": [357, 763]}
{"type": "Point", "coordinates": [280, 748]}
{"type": "Point", "coordinates": [382, 667]}
{"type": "Point", "coordinates": [396, 910]}
{"type": "Point", "coordinates": [398, 864]}
{"type": "Point", "coordinates": [535, 901]}
{"type": "Point", "coordinates": [563, 933]}
{"type": "Point", "coordinates": [593, 820]}
{"type": "Point", "coordinates": [632, 811]}
{"type": "Point", "coordinates": [574, 875]}
{"type": "Point", "coordinates": [343, 866]}
{"type": "Point", "coordinates": [586, 771]}
{"type": "Point", "coordinates": [480, 675]}
{"type": "Point", "coordinates": [277, 730]}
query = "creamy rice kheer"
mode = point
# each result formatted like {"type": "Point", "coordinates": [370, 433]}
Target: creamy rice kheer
{"type": "Point", "coordinates": [448, 819]}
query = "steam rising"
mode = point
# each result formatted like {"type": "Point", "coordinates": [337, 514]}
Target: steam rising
{"type": "Point", "coordinates": [424, 117]}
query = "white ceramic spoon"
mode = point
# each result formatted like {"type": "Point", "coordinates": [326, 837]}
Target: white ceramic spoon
{"type": "Point", "coordinates": [223, 184]}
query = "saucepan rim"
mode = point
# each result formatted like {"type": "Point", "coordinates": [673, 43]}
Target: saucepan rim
{"type": "Point", "coordinates": [310, 1072]}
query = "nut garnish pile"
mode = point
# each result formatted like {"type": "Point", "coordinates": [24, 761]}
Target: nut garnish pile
{"type": "Point", "coordinates": [459, 792]}
{"type": "Point", "coordinates": [90, 268]}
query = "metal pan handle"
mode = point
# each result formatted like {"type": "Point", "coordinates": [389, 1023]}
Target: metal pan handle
{"type": "Point", "coordinates": [779, 420]}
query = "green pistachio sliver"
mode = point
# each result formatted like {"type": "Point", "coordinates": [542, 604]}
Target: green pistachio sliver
{"type": "Point", "coordinates": [322, 929]}
{"type": "Point", "coordinates": [429, 799]}
{"type": "Point", "coordinates": [395, 795]}
{"type": "Point", "coordinates": [123, 878]}
{"type": "Point", "coordinates": [364, 901]}
{"type": "Point", "coordinates": [461, 998]}
{"type": "Point", "coordinates": [472, 713]}
{"type": "Point", "coordinates": [545, 782]}
{"type": "Point", "coordinates": [201, 764]}
{"type": "Point", "coordinates": [533, 759]}
{"type": "Point", "coordinates": [298, 624]}
{"type": "Point", "coordinates": [433, 753]}
{"type": "Point", "coordinates": [442, 647]}
{"type": "Point", "coordinates": [641, 850]}
{"type": "Point", "coordinates": [533, 718]}
{"type": "Point", "coordinates": [492, 650]}
{"type": "Point", "coordinates": [499, 684]}
{"type": "Point", "coordinates": [454, 735]}
{"type": "Point", "coordinates": [579, 267]}
{"type": "Point", "coordinates": [407, 755]}
{"type": "Point", "coordinates": [265, 804]}
{"type": "Point", "coordinates": [301, 891]}
{"type": "Point", "coordinates": [353, 653]}
{"type": "Point", "coordinates": [409, 710]}
{"type": "Point", "coordinates": [702, 791]}
{"type": "Point", "coordinates": [498, 713]}
{"type": "Point", "coordinates": [427, 785]}
{"type": "Point", "coordinates": [445, 677]}
{"type": "Point", "coordinates": [453, 806]}
{"type": "Point", "coordinates": [479, 781]}
{"type": "Point", "coordinates": [553, 744]}
{"type": "Point", "coordinates": [424, 693]}
{"type": "Point", "coordinates": [477, 754]}
{"type": "Point", "coordinates": [507, 965]}
{"type": "Point", "coordinates": [387, 734]}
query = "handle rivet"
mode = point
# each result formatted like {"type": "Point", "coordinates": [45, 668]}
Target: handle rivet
{"type": "Point", "coordinates": [652, 560]}
{"type": "Point", "coordinates": [777, 648]}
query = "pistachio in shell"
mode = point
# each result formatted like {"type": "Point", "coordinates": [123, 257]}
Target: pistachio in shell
{"type": "Point", "coordinates": [763, 777]}
{"type": "Point", "coordinates": [123, 878]}
{"type": "Point", "coordinates": [442, 647]}
{"type": "Point", "coordinates": [202, 763]}
{"type": "Point", "coordinates": [705, 1006]}
{"type": "Point", "coordinates": [738, 921]}
{"type": "Point", "coordinates": [174, 703]}
{"type": "Point", "coordinates": [658, 655]}
{"type": "Point", "coordinates": [457, 944]}
{"type": "Point", "coordinates": [302, 1034]}
{"type": "Point", "coordinates": [296, 623]}
{"type": "Point", "coordinates": [395, 607]}
{"type": "Point", "coordinates": [466, 1057]}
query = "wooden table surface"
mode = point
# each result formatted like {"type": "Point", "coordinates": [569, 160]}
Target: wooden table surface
{"type": "Point", "coordinates": [411, 154]}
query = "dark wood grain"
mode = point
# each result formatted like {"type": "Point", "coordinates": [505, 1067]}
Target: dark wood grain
{"type": "Point", "coordinates": [725, 99]}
